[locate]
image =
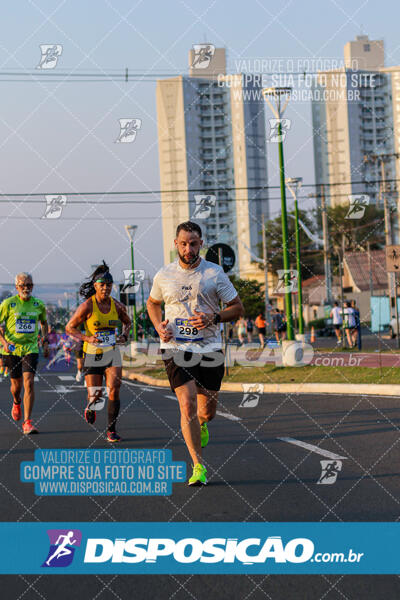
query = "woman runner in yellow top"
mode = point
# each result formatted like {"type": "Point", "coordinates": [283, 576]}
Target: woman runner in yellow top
{"type": "Point", "coordinates": [101, 314]}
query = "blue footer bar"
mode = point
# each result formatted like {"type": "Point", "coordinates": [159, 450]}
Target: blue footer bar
{"type": "Point", "coordinates": [213, 548]}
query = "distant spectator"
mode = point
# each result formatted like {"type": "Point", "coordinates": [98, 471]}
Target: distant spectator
{"type": "Point", "coordinates": [279, 325]}
{"type": "Point", "coordinates": [260, 324]}
{"type": "Point", "coordinates": [357, 330]}
{"type": "Point", "coordinates": [349, 322]}
{"type": "Point", "coordinates": [249, 329]}
{"type": "Point", "coordinates": [241, 329]}
{"type": "Point", "coordinates": [336, 316]}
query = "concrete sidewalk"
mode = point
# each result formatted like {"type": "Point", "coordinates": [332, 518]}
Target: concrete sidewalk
{"type": "Point", "coordinates": [352, 389]}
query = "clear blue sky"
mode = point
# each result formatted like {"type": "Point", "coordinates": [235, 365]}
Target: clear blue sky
{"type": "Point", "coordinates": [60, 137]}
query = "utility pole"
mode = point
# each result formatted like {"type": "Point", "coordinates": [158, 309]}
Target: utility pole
{"type": "Point", "coordinates": [382, 158]}
{"type": "Point", "coordinates": [294, 184]}
{"type": "Point", "coordinates": [280, 94]}
{"type": "Point", "coordinates": [265, 260]}
{"type": "Point", "coordinates": [371, 283]}
{"type": "Point", "coordinates": [327, 262]}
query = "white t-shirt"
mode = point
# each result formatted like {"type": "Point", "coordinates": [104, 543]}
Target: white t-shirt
{"type": "Point", "coordinates": [349, 317]}
{"type": "Point", "coordinates": [336, 315]}
{"type": "Point", "coordinates": [187, 290]}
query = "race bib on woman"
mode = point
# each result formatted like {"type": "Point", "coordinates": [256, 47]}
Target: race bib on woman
{"type": "Point", "coordinates": [106, 338]}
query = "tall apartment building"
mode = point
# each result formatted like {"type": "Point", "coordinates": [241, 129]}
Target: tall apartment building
{"type": "Point", "coordinates": [356, 113]}
{"type": "Point", "coordinates": [212, 143]}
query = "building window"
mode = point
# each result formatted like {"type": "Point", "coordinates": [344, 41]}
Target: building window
{"type": "Point", "coordinates": [367, 47]}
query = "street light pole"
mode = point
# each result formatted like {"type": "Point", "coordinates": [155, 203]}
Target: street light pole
{"type": "Point", "coordinates": [278, 94]}
{"type": "Point", "coordinates": [294, 184]}
{"type": "Point", "coordinates": [265, 261]}
{"type": "Point", "coordinates": [382, 158]}
{"type": "Point", "coordinates": [131, 230]}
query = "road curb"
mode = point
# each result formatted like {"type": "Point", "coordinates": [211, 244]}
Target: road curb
{"type": "Point", "coordinates": [352, 389]}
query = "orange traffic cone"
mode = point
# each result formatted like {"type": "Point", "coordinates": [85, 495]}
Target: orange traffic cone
{"type": "Point", "coordinates": [312, 334]}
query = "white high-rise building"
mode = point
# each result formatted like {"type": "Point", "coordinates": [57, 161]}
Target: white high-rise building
{"type": "Point", "coordinates": [212, 144]}
{"type": "Point", "coordinates": [356, 114]}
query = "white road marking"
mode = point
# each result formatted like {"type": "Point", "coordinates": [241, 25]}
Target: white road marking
{"type": "Point", "coordinates": [229, 416]}
{"type": "Point", "coordinates": [312, 448]}
{"type": "Point", "coordinates": [66, 377]}
{"type": "Point", "coordinates": [59, 389]}
{"type": "Point", "coordinates": [219, 413]}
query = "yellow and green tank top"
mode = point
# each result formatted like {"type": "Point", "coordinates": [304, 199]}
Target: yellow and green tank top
{"type": "Point", "coordinates": [103, 326]}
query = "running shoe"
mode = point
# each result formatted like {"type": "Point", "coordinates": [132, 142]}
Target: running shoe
{"type": "Point", "coordinates": [16, 411]}
{"type": "Point", "coordinates": [6, 373]}
{"type": "Point", "coordinates": [28, 428]}
{"type": "Point", "coordinates": [1, 370]}
{"type": "Point", "coordinates": [205, 436]}
{"type": "Point", "coordinates": [90, 416]}
{"type": "Point", "coordinates": [199, 475]}
{"type": "Point", "coordinates": [78, 376]}
{"type": "Point", "coordinates": [113, 437]}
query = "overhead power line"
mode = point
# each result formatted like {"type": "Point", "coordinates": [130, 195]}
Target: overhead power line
{"type": "Point", "coordinates": [202, 190]}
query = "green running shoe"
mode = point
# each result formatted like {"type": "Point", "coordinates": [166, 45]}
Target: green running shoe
{"type": "Point", "coordinates": [199, 475]}
{"type": "Point", "coordinates": [205, 436]}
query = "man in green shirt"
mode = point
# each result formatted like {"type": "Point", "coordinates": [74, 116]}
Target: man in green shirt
{"type": "Point", "coordinates": [20, 316]}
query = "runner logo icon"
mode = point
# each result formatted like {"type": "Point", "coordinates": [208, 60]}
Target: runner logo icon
{"type": "Point", "coordinates": [330, 471]}
{"type": "Point", "coordinates": [62, 547]}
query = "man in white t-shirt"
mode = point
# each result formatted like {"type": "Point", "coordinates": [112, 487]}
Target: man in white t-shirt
{"type": "Point", "coordinates": [190, 335]}
{"type": "Point", "coordinates": [336, 316]}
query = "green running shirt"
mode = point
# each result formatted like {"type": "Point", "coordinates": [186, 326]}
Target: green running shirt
{"type": "Point", "coordinates": [21, 319]}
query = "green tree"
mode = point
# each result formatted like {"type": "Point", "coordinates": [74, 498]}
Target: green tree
{"type": "Point", "coordinates": [370, 227]}
{"type": "Point", "coordinates": [311, 257]}
{"type": "Point", "coordinates": [251, 293]}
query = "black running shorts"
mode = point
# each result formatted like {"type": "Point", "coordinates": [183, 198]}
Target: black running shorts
{"type": "Point", "coordinates": [96, 364]}
{"type": "Point", "coordinates": [206, 370]}
{"type": "Point", "coordinates": [21, 364]}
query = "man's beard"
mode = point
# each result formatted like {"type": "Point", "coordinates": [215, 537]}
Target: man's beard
{"type": "Point", "coordinates": [189, 261]}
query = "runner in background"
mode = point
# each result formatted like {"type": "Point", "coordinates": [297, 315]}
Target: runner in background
{"type": "Point", "coordinates": [78, 351]}
{"type": "Point", "coordinates": [21, 315]}
{"type": "Point", "coordinates": [53, 342]}
{"type": "Point", "coordinates": [100, 314]}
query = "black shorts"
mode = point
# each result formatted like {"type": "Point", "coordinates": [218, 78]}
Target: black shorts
{"type": "Point", "coordinates": [261, 330]}
{"type": "Point", "coordinates": [337, 326]}
{"type": "Point", "coordinates": [21, 364]}
{"type": "Point", "coordinates": [184, 366]}
{"type": "Point", "coordinates": [91, 368]}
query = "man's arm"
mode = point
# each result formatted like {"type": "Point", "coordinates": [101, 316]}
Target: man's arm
{"type": "Point", "coordinates": [45, 341]}
{"type": "Point", "coordinates": [234, 309]}
{"type": "Point", "coordinates": [155, 314]}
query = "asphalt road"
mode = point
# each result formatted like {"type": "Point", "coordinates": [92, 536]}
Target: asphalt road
{"type": "Point", "coordinates": [254, 475]}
